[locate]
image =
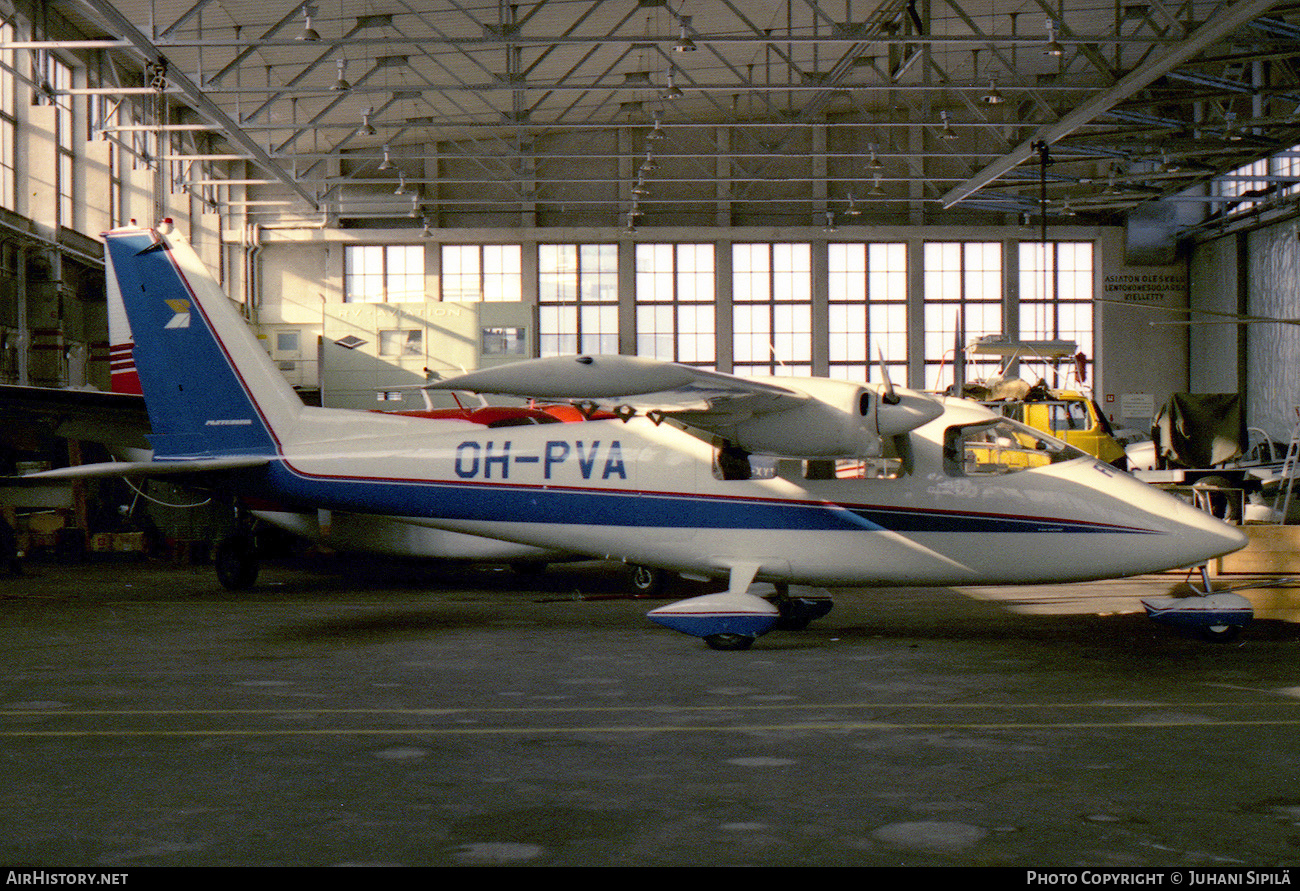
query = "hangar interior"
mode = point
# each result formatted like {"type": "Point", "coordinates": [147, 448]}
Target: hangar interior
{"type": "Point", "coordinates": [395, 191]}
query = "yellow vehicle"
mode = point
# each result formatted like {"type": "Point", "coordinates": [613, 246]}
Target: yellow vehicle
{"type": "Point", "coordinates": [1069, 416]}
{"type": "Point", "coordinates": [997, 447]}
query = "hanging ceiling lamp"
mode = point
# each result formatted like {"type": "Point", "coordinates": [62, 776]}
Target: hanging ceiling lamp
{"type": "Point", "coordinates": [684, 43]}
{"type": "Point", "coordinates": [1053, 47]}
{"type": "Point", "coordinates": [673, 91]}
{"type": "Point", "coordinates": [308, 34]}
{"type": "Point", "coordinates": [946, 131]}
{"type": "Point", "coordinates": [366, 129]}
{"type": "Point", "coordinates": [341, 85]}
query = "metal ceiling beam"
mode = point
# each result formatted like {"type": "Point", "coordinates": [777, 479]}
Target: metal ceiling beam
{"type": "Point", "coordinates": [1232, 18]}
{"type": "Point", "coordinates": [119, 24]}
{"type": "Point", "coordinates": [185, 17]}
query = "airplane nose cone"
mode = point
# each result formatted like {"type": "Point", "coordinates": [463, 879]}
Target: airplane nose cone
{"type": "Point", "coordinates": [1201, 537]}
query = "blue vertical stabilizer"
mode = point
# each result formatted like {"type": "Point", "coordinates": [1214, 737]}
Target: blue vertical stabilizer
{"type": "Point", "coordinates": [209, 386]}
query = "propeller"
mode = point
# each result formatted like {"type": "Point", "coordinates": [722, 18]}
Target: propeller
{"type": "Point", "coordinates": [887, 395]}
{"type": "Point", "coordinates": [898, 412]}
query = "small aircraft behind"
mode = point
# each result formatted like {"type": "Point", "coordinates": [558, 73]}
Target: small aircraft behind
{"type": "Point", "coordinates": [773, 485]}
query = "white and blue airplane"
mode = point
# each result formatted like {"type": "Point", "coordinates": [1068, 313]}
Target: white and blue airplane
{"type": "Point", "coordinates": [777, 486]}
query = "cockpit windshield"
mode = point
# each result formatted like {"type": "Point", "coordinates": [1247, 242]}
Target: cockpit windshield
{"type": "Point", "coordinates": [999, 447]}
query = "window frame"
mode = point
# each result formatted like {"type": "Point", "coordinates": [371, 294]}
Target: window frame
{"type": "Point", "coordinates": [383, 276]}
{"type": "Point", "coordinates": [577, 298]}
{"type": "Point", "coordinates": [874, 293]}
{"type": "Point", "coordinates": [497, 279]}
{"type": "Point", "coordinates": [677, 303]}
{"type": "Point", "coordinates": [963, 288]}
{"type": "Point", "coordinates": [778, 292]}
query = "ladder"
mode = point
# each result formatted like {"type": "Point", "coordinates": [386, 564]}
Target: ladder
{"type": "Point", "coordinates": [1282, 500]}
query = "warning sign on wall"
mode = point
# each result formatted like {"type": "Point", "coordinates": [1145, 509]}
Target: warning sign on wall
{"type": "Point", "coordinates": [1153, 285]}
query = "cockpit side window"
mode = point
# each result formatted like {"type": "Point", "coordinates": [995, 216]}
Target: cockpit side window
{"type": "Point", "coordinates": [1000, 447]}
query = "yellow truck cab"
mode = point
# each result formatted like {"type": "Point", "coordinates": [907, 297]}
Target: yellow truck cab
{"type": "Point", "coordinates": [1069, 416]}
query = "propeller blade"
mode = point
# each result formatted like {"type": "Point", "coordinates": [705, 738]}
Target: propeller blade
{"type": "Point", "coordinates": [959, 355]}
{"type": "Point", "coordinates": [887, 396]}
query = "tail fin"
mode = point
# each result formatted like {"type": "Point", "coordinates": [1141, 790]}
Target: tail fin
{"type": "Point", "coordinates": [210, 387]}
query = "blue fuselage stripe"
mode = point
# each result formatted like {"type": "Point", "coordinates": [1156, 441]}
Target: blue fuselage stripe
{"type": "Point", "coordinates": [502, 503]}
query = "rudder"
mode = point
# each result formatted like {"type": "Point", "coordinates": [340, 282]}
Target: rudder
{"type": "Point", "coordinates": [209, 386]}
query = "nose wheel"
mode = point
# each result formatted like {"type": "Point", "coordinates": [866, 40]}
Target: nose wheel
{"type": "Point", "coordinates": [1215, 615]}
{"type": "Point", "coordinates": [730, 642]}
{"type": "Point", "coordinates": [1220, 633]}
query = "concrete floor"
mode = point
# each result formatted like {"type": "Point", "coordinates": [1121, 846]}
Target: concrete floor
{"type": "Point", "coordinates": [423, 716]}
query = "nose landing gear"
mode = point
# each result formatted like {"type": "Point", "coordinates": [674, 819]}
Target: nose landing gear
{"type": "Point", "coordinates": [1217, 616]}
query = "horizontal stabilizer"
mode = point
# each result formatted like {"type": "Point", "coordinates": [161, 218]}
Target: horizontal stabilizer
{"type": "Point", "coordinates": [148, 468]}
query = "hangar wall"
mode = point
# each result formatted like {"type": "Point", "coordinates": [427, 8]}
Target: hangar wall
{"type": "Point", "coordinates": [1273, 290]}
{"type": "Point", "coordinates": [1215, 270]}
{"type": "Point", "coordinates": [1251, 272]}
{"type": "Point", "coordinates": [70, 180]}
{"type": "Point", "coordinates": [300, 294]}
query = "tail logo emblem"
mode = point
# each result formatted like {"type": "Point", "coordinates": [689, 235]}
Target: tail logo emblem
{"type": "Point", "coordinates": [182, 317]}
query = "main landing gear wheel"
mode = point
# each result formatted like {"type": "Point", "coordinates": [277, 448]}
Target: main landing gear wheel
{"type": "Point", "coordinates": [732, 642]}
{"type": "Point", "coordinates": [9, 553]}
{"type": "Point", "coordinates": [236, 562]}
{"type": "Point", "coordinates": [647, 581]}
{"type": "Point", "coordinates": [798, 611]}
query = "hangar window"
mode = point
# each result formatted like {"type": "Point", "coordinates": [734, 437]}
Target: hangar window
{"type": "Point", "coordinates": [962, 280]}
{"type": "Point", "coordinates": [8, 120]}
{"type": "Point", "coordinates": [868, 310]}
{"type": "Point", "coordinates": [59, 76]}
{"type": "Point", "coordinates": [504, 341]}
{"type": "Point", "coordinates": [1287, 165]}
{"type": "Point", "coordinates": [491, 273]}
{"type": "Point", "coordinates": [101, 113]}
{"type": "Point", "coordinates": [401, 342]}
{"type": "Point", "coordinates": [375, 273]}
{"type": "Point", "coordinates": [1247, 183]}
{"type": "Point", "coordinates": [772, 308]}
{"type": "Point", "coordinates": [1056, 293]}
{"type": "Point", "coordinates": [577, 299]}
{"type": "Point", "coordinates": [675, 303]}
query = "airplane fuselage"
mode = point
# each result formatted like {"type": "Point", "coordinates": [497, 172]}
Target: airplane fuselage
{"type": "Point", "coordinates": [878, 486]}
{"type": "Point", "coordinates": [652, 495]}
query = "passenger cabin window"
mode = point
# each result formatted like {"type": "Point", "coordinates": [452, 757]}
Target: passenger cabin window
{"type": "Point", "coordinates": [877, 468]}
{"type": "Point", "coordinates": [853, 469]}
{"type": "Point", "coordinates": [1000, 447]}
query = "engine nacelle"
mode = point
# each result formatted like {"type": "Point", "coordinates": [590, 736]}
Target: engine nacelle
{"type": "Point", "coordinates": [843, 420]}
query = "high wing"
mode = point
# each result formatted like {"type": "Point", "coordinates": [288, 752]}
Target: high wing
{"type": "Point", "coordinates": [796, 417]}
